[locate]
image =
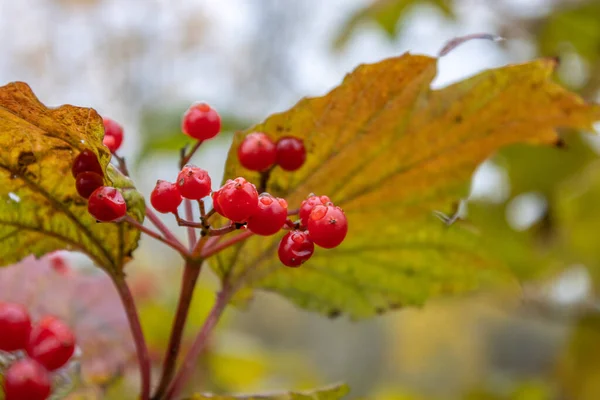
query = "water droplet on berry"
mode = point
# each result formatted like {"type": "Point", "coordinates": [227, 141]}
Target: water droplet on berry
{"type": "Point", "coordinates": [318, 212]}
{"type": "Point", "coordinates": [266, 200]}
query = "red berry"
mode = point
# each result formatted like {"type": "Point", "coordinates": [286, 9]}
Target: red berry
{"type": "Point", "coordinates": [86, 161]}
{"type": "Point", "coordinates": [201, 122]}
{"type": "Point", "coordinates": [27, 379]}
{"type": "Point", "coordinates": [113, 134]}
{"type": "Point", "coordinates": [165, 197]}
{"type": "Point", "coordinates": [15, 326]}
{"type": "Point", "coordinates": [193, 182]}
{"type": "Point", "coordinates": [291, 153]}
{"type": "Point", "coordinates": [269, 217]}
{"type": "Point", "coordinates": [238, 200]}
{"type": "Point", "coordinates": [310, 203]}
{"type": "Point", "coordinates": [295, 248]}
{"type": "Point", "coordinates": [327, 225]}
{"type": "Point", "coordinates": [257, 152]}
{"type": "Point", "coordinates": [87, 182]}
{"type": "Point", "coordinates": [107, 204]}
{"type": "Point", "coordinates": [51, 343]}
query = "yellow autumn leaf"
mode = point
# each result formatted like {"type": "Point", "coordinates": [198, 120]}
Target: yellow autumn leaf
{"type": "Point", "coordinates": [390, 150]}
{"type": "Point", "coordinates": [40, 210]}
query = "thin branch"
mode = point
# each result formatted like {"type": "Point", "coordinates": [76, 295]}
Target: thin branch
{"type": "Point", "coordinates": [219, 246]}
{"type": "Point", "coordinates": [264, 179]}
{"type": "Point", "coordinates": [188, 283]}
{"type": "Point", "coordinates": [191, 230]}
{"type": "Point", "coordinates": [185, 158]}
{"type": "Point", "coordinates": [161, 227]}
{"type": "Point", "coordinates": [295, 211]}
{"type": "Point", "coordinates": [174, 245]}
{"type": "Point", "coordinates": [202, 209]}
{"type": "Point", "coordinates": [137, 333]}
{"type": "Point", "coordinates": [187, 368]}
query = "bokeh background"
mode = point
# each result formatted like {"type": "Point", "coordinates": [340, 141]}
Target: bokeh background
{"type": "Point", "coordinates": [142, 62]}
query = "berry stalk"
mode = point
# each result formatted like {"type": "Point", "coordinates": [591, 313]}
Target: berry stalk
{"type": "Point", "coordinates": [174, 245]}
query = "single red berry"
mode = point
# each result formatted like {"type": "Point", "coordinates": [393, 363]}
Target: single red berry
{"type": "Point", "coordinates": [291, 153]}
{"type": "Point", "coordinates": [193, 182]}
{"type": "Point", "coordinates": [51, 343]}
{"type": "Point", "coordinates": [86, 161]}
{"type": "Point", "coordinates": [295, 248]}
{"type": "Point", "coordinates": [270, 216]}
{"type": "Point", "coordinates": [201, 122]}
{"type": "Point", "coordinates": [107, 204]}
{"type": "Point", "coordinates": [113, 134]}
{"type": "Point", "coordinates": [327, 225]}
{"type": "Point", "coordinates": [257, 152]}
{"type": "Point", "coordinates": [27, 379]}
{"type": "Point", "coordinates": [15, 326]}
{"type": "Point", "coordinates": [87, 182]}
{"type": "Point", "coordinates": [238, 200]}
{"type": "Point", "coordinates": [165, 197]}
{"type": "Point", "coordinates": [310, 203]}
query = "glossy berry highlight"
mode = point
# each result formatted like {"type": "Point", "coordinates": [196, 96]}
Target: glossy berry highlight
{"type": "Point", "coordinates": [51, 343]}
{"type": "Point", "coordinates": [107, 204]}
{"type": "Point", "coordinates": [86, 161]}
{"type": "Point", "coordinates": [193, 183]}
{"type": "Point", "coordinates": [270, 216]}
{"type": "Point", "coordinates": [237, 200]}
{"type": "Point", "coordinates": [307, 206]}
{"type": "Point", "coordinates": [165, 197]}
{"type": "Point", "coordinates": [87, 182]}
{"type": "Point", "coordinates": [201, 122]}
{"type": "Point", "coordinates": [113, 134]}
{"type": "Point", "coordinates": [291, 153]}
{"type": "Point", "coordinates": [327, 225]}
{"type": "Point", "coordinates": [257, 152]}
{"type": "Point", "coordinates": [295, 248]}
{"type": "Point", "coordinates": [27, 379]}
{"type": "Point", "coordinates": [15, 326]}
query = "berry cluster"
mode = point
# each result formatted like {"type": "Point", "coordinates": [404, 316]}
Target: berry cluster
{"type": "Point", "coordinates": [105, 203]}
{"type": "Point", "coordinates": [36, 350]}
{"type": "Point", "coordinates": [258, 152]}
{"type": "Point", "coordinates": [320, 222]}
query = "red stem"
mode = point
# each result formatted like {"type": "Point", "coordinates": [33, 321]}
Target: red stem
{"type": "Point", "coordinates": [137, 333]}
{"type": "Point", "coordinates": [187, 368]}
{"type": "Point", "coordinates": [175, 245]}
{"type": "Point", "coordinates": [187, 157]}
{"type": "Point", "coordinates": [161, 227]}
{"type": "Point", "coordinates": [217, 247]}
{"type": "Point", "coordinates": [188, 283]}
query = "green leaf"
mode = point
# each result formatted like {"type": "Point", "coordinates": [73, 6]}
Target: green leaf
{"type": "Point", "coordinates": [390, 151]}
{"type": "Point", "coordinates": [40, 210]}
{"type": "Point", "coordinates": [387, 14]}
{"type": "Point", "coordinates": [335, 392]}
{"type": "Point", "coordinates": [576, 26]}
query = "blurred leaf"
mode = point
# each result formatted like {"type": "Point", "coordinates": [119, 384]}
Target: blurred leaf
{"type": "Point", "coordinates": [331, 393]}
{"type": "Point", "coordinates": [539, 169]}
{"type": "Point", "coordinates": [390, 151]}
{"type": "Point", "coordinates": [87, 303]}
{"type": "Point", "coordinates": [162, 132]}
{"type": "Point", "coordinates": [40, 210]}
{"type": "Point", "coordinates": [387, 14]}
{"type": "Point", "coordinates": [576, 26]}
{"type": "Point", "coordinates": [578, 370]}
{"type": "Point", "coordinates": [578, 218]}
